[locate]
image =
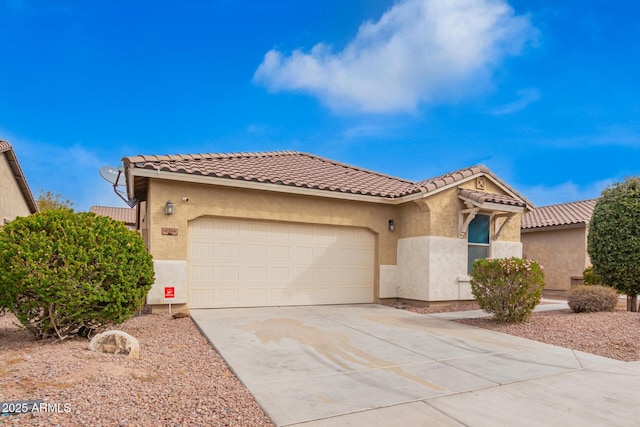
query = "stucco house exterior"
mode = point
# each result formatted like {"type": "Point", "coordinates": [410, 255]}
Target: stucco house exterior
{"type": "Point", "coordinates": [556, 236]}
{"type": "Point", "coordinates": [126, 215]}
{"type": "Point", "coordinates": [16, 198]}
{"type": "Point", "coordinates": [290, 228]}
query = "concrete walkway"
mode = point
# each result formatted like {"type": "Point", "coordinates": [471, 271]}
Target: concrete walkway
{"type": "Point", "coordinates": [363, 365]}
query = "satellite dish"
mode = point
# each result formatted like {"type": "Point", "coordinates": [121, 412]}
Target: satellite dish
{"type": "Point", "coordinates": [116, 177]}
{"type": "Point", "coordinates": [113, 175]}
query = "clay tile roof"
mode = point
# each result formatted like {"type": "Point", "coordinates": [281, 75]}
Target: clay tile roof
{"type": "Point", "coordinates": [119, 214]}
{"type": "Point", "coordinates": [559, 215]}
{"type": "Point", "coordinates": [6, 148]}
{"type": "Point", "coordinates": [438, 182]}
{"type": "Point", "coordinates": [278, 167]}
{"type": "Point", "coordinates": [482, 197]}
{"type": "Point", "coordinates": [297, 169]}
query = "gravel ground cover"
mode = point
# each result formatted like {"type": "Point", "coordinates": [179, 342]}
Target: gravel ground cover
{"type": "Point", "coordinates": [180, 380]}
{"type": "Point", "coordinates": [610, 334]}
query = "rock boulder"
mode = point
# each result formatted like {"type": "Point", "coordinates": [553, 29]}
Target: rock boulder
{"type": "Point", "coordinates": [115, 342]}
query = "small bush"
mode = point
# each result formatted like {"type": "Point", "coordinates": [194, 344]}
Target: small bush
{"type": "Point", "coordinates": [592, 298]}
{"type": "Point", "coordinates": [63, 273]}
{"type": "Point", "coordinates": [508, 288]}
{"type": "Point", "coordinates": [590, 278]}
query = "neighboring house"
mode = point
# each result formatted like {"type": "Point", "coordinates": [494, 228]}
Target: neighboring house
{"type": "Point", "coordinates": [126, 215]}
{"type": "Point", "coordinates": [16, 198]}
{"type": "Point", "coordinates": [289, 228]}
{"type": "Point", "coordinates": [556, 236]}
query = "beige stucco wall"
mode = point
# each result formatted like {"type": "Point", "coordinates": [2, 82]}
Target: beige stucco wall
{"type": "Point", "coordinates": [12, 202]}
{"type": "Point", "coordinates": [206, 200]}
{"type": "Point", "coordinates": [438, 215]}
{"type": "Point", "coordinates": [424, 259]}
{"type": "Point", "coordinates": [562, 253]}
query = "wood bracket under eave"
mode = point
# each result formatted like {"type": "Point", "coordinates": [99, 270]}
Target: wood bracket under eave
{"type": "Point", "coordinates": [464, 226]}
{"type": "Point", "coordinates": [508, 217]}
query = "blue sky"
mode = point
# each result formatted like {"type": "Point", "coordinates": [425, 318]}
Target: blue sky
{"type": "Point", "coordinates": [546, 94]}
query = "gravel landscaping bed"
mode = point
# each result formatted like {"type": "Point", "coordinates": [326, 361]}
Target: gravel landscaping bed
{"type": "Point", "coordinates": [180, 380]}
{"type": "Point", "coordinates": [614, 334]}
{"type": "Point", "coordinates": [610, 334]}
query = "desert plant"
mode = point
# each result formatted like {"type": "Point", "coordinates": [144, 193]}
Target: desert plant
{"type": "Point", "coordinates": [591, 298]}
{"type": "Point", "coordinates": [62, 272]}
{"type": "Point", "coordinates": [613, 241]}
{"type": "Point", "coordinates": [590, 278]}
{"type": "Point", "coordinates": [508, 288]}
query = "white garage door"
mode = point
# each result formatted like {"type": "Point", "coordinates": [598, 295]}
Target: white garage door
{"type": "Point", "coordinates": [241, 263]}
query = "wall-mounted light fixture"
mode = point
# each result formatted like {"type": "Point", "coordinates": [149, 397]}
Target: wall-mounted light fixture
{"type": "Point", "coordinates": [392, 225]}
{"type": "Point", "coordinates": [169, 208]}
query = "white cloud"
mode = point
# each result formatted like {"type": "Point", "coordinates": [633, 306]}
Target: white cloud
{"type": "Point", "coordinates": [525, 97]}
{"type": "Point", "coordinates": [542, 195]}
{"type": "Point", "coordinates": [418, 51]}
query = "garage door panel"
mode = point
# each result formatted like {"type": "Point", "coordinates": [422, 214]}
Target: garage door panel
{"type": "Point", "coordinates": [303, 254]}
{"type": "Point", "coordinates": [278, 252]}
{"type": "Point", "coordinates": [257, 296]}
{"type": "Point", "coordinates": [256, 251]}
{"type": "Point", "coordinates": [227, 250]}
{"type": "Point", "coordinates": [202, 273]}
{"type": "Point", "coordinates": [202, 249]}
{"type": "Point", "coordinates": [254, 263]}
{"type": "Point", "coordinates": [278, 295]}
{"type": "Point", "coordinates": [226, 228]}
{"type": "Point", "coordinates": [226, 273]}
{"type": "Point", "coordinates": [257, 273]}
{"type": "Point", "coordinates": [302, 233]}
{"type": "Point", "coordinates": [278, 232]}
{"type": "Point", "coordinates": [201, 298]}
{"type": "Point", "coordinates": [229, 296]}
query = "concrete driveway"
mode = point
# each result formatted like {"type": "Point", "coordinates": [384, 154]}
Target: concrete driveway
{"type": "Point", "coordinates": [362, 365]}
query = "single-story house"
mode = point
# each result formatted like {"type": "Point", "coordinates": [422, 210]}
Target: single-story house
{"type": "Point", "coordinates": [556, 236]}
{"type": "Point", "coordinates": [16, 198]}
{"type": "Point", "coordinates": [290, 228]}
{"type": "Point", "coordinates": [126, 215]}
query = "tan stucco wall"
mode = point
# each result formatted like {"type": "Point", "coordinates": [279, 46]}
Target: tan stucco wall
{"type": "Point", "coordinates": [431, 269]}
{"type": "Point", "coordinates": [206, 200]}
{"type": "Point", "coordinates": [12, 202]}
{"type": "Point", "coordinates": [438, 215]}
{"type": "Point", "coordinates": [562, 253]}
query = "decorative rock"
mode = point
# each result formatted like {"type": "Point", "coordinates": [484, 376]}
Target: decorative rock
{"type": "Point", "coordinates": [181, 314]}
{"type": "Point", "coordinates": [115, 342]}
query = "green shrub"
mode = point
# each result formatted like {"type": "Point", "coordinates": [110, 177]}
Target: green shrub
{"type": "Point", "coordinates": [590, 278]}
{"type": "Point", "coordinates": [508, 288]}
{"type": "Point", "coordinates": [591, 298]}
{"type": "Point", "coordinates": [63, 272]}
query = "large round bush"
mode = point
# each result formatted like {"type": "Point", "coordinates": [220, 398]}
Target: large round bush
{"type": "Point", "coordinates": [508, 288]}
{"type": "Point", "coordinates": [62, 272]}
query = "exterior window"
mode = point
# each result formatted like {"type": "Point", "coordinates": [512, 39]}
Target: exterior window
{"type": "Point", "coordinates": [478, 239]}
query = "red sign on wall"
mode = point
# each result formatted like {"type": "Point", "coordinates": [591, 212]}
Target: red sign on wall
{"type": "Point", "coordinates": [169, 292]}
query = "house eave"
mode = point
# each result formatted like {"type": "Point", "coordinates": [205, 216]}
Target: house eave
{"type": "Point", "coordinates": [554, 227]}
{"type": "Point", "coordinates": [305, 191]}
{"type": "Point", "coordinates": [252, 185]}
